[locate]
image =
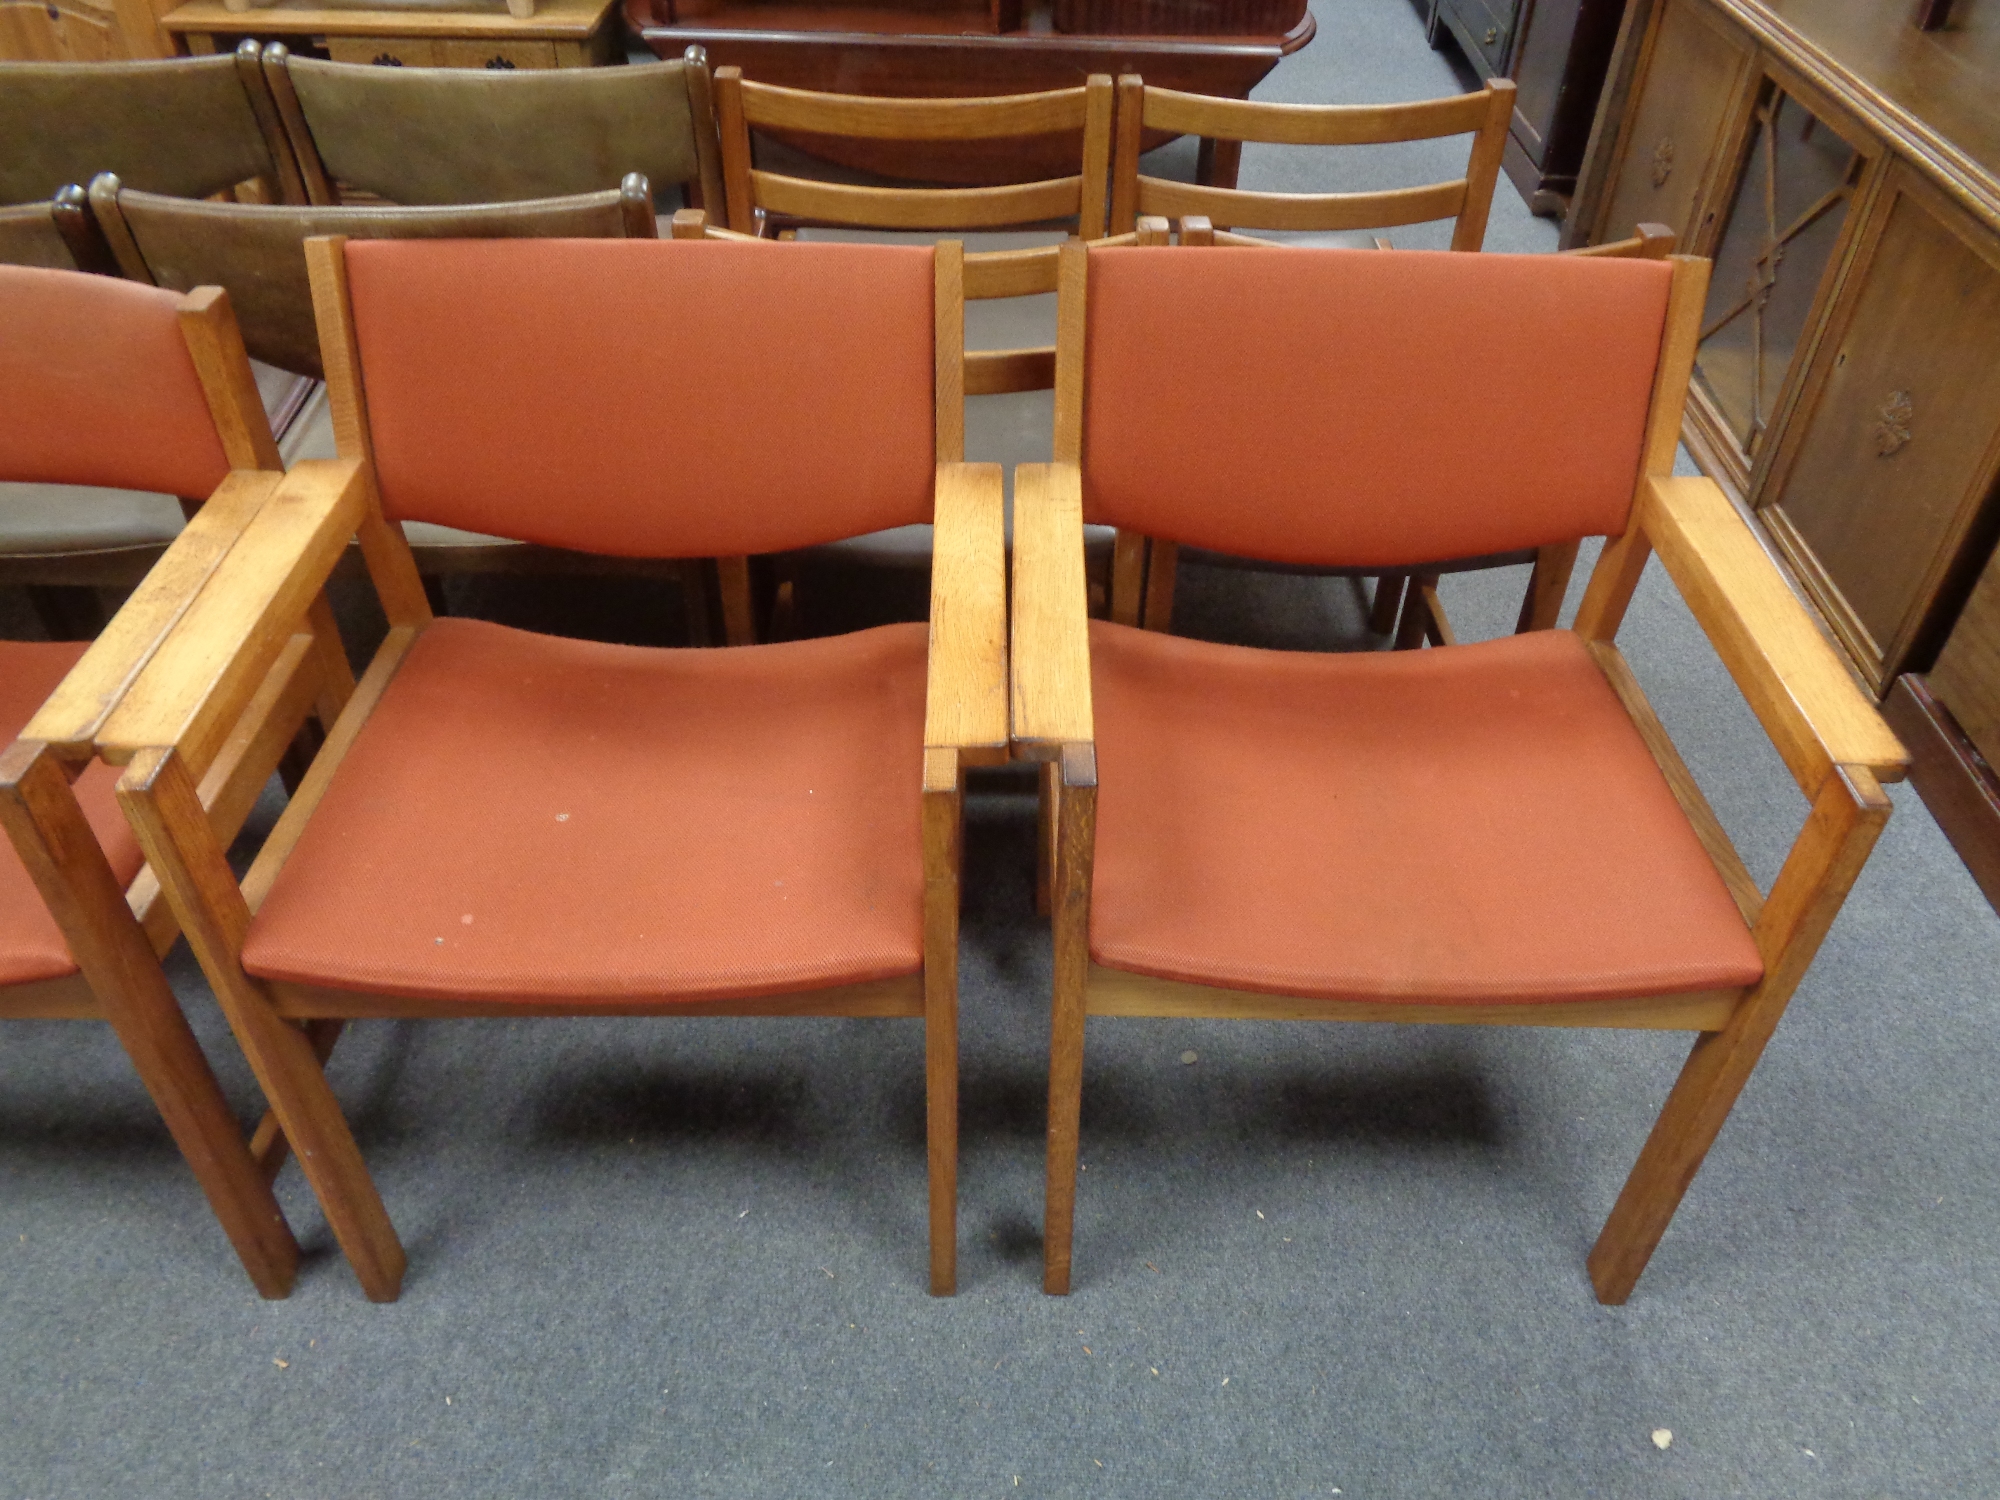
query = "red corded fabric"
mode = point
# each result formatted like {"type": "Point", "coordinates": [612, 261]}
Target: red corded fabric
{"type": "Point", "coordinates": [649, 398]}
{"type": "Point", "coordinates": [1366, 407]}
{"type": "Point", "coordinates": [1476, 825]}
{"type": "Point", "coordinates": [532, 818]}
{"type": "Point", "coordinates": [97, 387]}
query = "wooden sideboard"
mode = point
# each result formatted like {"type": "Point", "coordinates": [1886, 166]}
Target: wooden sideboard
{"type": "Point", "coordinates": [1557, 52]}
{"type": "Point", "coordinates": [1842, 168]}
{"type": "Point", "coordinates": [560, 34]}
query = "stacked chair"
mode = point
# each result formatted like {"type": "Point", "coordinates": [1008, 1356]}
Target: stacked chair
{"type": "Point", "coordinates": [492, 822]}
{"type": "Point", "coordinates": [105, 383]}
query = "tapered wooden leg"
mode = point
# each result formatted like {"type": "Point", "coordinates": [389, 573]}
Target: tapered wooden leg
{"type": "Point", "coordinates": [268, 1146]}
{"type": "Point", "coordinates": [1410, 630]}
{"type": "Point", "coordinates": [1547, 585]}
{"type": "Point", "coordinates": [1388, 603]}
{"type": "Point", "coordinates": [1847, 817]}
{"type": "Point", "coordinates": [1076, 831]}
{"type": "Point", "coordinates": [159, 798]}
{"type": "Point", "coordinates": [944, 806]}
{"type": "Point", "coordinates": [56, 844]}
{"type": "Point", "coordinates": [1045, 835]}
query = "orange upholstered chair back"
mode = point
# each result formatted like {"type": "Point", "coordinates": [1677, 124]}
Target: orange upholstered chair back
{"type": "Point", "coordinates": [1366, 407]}
{"type": "Point", "coordinates": [97, 387]}
{"type": "Point", "coordinates": [648, 398]}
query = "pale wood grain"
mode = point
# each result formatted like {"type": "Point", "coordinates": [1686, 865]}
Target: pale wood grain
{"type": "Point", "coordinates": [916, 208]}
{"type": "Point", "coordinates": [966, 697]}
{"type": "Point", "coordinates": [215, 344]}
{"type": "Point", "coordinates": [1051, 655]}
{"type": "Point", "coordinates": [875, 998]}
{"type": "Point", "coordinates": [943, 834]}
{"type": "Point", "coordinates": [1076, 836]}
{"type": "Point", "coordinates": [1321, 211]}
{"type": "Point", "coordinates": [1799, 686]}
{"type": "Point", "coordinates": [1315, 124]}
{"type": "Point", "coordinates": [196, 685]}
{"type": "Point", "coordinates": [948, 351]}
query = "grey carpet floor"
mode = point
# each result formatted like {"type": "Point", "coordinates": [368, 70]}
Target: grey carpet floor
{"type": "Point", "coordinates": [687, 1257]}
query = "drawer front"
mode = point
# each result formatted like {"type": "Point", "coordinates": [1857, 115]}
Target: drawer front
{"type": "Point", "coordinates": [385, 51]}
{"type": "Point", "coordinates": [1893, 447]}
{"type": "Point", "coordinates": [1693, 76]}
{"type": "Point", "coordinates": [1485, 30]}
{"type": "Point", "coordinates": [501, 56]}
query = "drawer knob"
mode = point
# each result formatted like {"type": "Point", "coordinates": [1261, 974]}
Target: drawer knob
{"type": "Point", "coordinates": [1492, 35]}
{"type": "Point", "coordinates": [1892, 433]}
{"type": "Point", "coordinates": [1663, 162]}
{"type": "Point", "coordinates": [387, 60]}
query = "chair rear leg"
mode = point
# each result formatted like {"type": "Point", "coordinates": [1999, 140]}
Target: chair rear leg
{"type": "Point", "coordinates": [1847, 817]}
{"type": "Point", "coordinates": [1076, 820]}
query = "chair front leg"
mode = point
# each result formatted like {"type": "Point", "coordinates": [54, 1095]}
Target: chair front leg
{"type": "Point", "coordinates": [160, 799]}
{"type": "Point", "coordinates": [943, 822]}
{"type": "Point", "coordinates": [1076, 835]}
{"type": "Point", "coordinates": [63, 856]}
{"type": "Point", "coordinates": [1847, 816]}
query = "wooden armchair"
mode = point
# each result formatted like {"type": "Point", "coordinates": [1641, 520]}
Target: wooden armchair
{"type": "Point", "coordinates": [106, 383]}
{"type": "Point", "coordinates": [762, 831]}
{"type": "Point", "coordinates": [1228, 123]}
{"type": "Point", "coordinates": [189, 126]}
{"type": "Point", "coordinates": [478, 135]}
{"type": "Point", "coordinates": [1489, 834]}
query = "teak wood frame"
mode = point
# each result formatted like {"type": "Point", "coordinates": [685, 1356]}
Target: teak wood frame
{"type": "Point", "coordinates": [1406, 605]}
{"type": "Point", "coordinates": [760, 200]}
{"type": "Point", "coordinates": [1834, 743]}
{"type": "Point", "coordinates": [118, 935]}
{"type": "Point", "coordinates": [166, 733]}
{"type": "Point", "coordinates": [1467, 200]}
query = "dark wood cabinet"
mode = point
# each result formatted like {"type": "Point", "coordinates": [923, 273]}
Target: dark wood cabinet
{"type": "Point", "coordinates": [1557, 52]}
{"type": "Point", "coordinates": [1842, 169]}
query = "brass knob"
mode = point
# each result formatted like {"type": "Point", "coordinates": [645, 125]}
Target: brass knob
{"type": "Point", "coordinates": [1492, 35]}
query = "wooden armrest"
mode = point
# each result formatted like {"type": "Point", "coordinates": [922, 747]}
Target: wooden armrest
{"type": "Point", "coordinates": [196, 685]}
{"type": "Point", "coordinates": [1801, 690]}
{"type": "Point", "coordinates": [966, 700]}
{"type": "Point", "coordinates": [1051, 658]}
{"type": "Point", "coordinates": [70, 720]}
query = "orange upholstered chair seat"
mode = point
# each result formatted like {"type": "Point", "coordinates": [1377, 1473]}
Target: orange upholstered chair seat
{"type": "Point", "coordinates": [31, 945]}
{"type": "Point", "coordinates": [532, 818]}
{"type": "Point", "coordinates": [1475, 826]}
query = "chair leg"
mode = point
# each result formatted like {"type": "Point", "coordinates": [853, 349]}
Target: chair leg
{"type": "Point", "coordinates": [1547, 584]}
{"type": "Point", "coordinates": [1847, 817]}
{"type": "Point", "coordinates": [1045, 834]}
{"type": "Point", "coordinates": [1410, 630]}
{"type": "Point", "coordinates": [159, 798]}
{"type": "Point", "coordinates": [1388, 603]}
{"type": "Point", "coordinates": [1076, 828]}
{"type": "Point", "coordinates": [944, 807]}
{"type": "Point", "coordinates": [42, 817]}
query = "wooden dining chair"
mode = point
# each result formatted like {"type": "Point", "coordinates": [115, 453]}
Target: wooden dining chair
{"type": "Point", "coordinates": [1406, 606]}
{"type": "Point", "coordinates": [487, 135]}
{"type": "Point", "coordinates": [762, 201]}
{"type": "Point", "coordinates": [1229, 123]}
{"type": "Point", "coordinates": [109, 384]}
{"type": "Point", "coordinates": [58, 234]}
{"type": "Point", "coordinates": [1498, 833]}
{"type": "Point", "coordinates": [510, 824]}
{"type": "Point", "coordinates": [189, 126]}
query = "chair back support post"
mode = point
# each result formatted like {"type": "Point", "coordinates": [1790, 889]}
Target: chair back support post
{"type": "Point", "coordinates": [1482, 171]}
{"type": "Point", "coordinates": [739, 202]}
{"type": "Point", "coordinates": [948, 346]}
{"type": "Point", "coordinates": [1619, 566]}
{"type": "Point", "coordinates": [384, 549]}
{"type": "Point", "coordinates": [701, 110]}
{"type": "Point", "coordinates": [318, 187]}
{"type": "Point", "coordinates": [215, 343]}
{"type": "Point", "coordinates": [1099, 125]}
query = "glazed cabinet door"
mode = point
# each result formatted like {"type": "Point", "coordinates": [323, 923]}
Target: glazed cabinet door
{"type": "Point", "coordinates": [1688, 87]}
{"type": "Point", "coordinates": [1890, 457]}
{"type": "Point", "coordinates": [1781, 232]}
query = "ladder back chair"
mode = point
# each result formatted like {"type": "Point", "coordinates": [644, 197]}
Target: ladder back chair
{"type": "Point", "coordinates": [1498, 833]}
{"type": "Point", "coordinates": [1465, 200]}
{"type": "Point", "coordinates": [1406, 607]}
{"type": "Point", "coordinates": [768, 830]}
{"type": "Point", "coordinates": [110, 384]}
{"type": "Point", "coordinates": [189, 126]}
{"type": "Point", "coordinates": [761, 201]}
{"type": "Point", "coordinates": [477, 135]}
